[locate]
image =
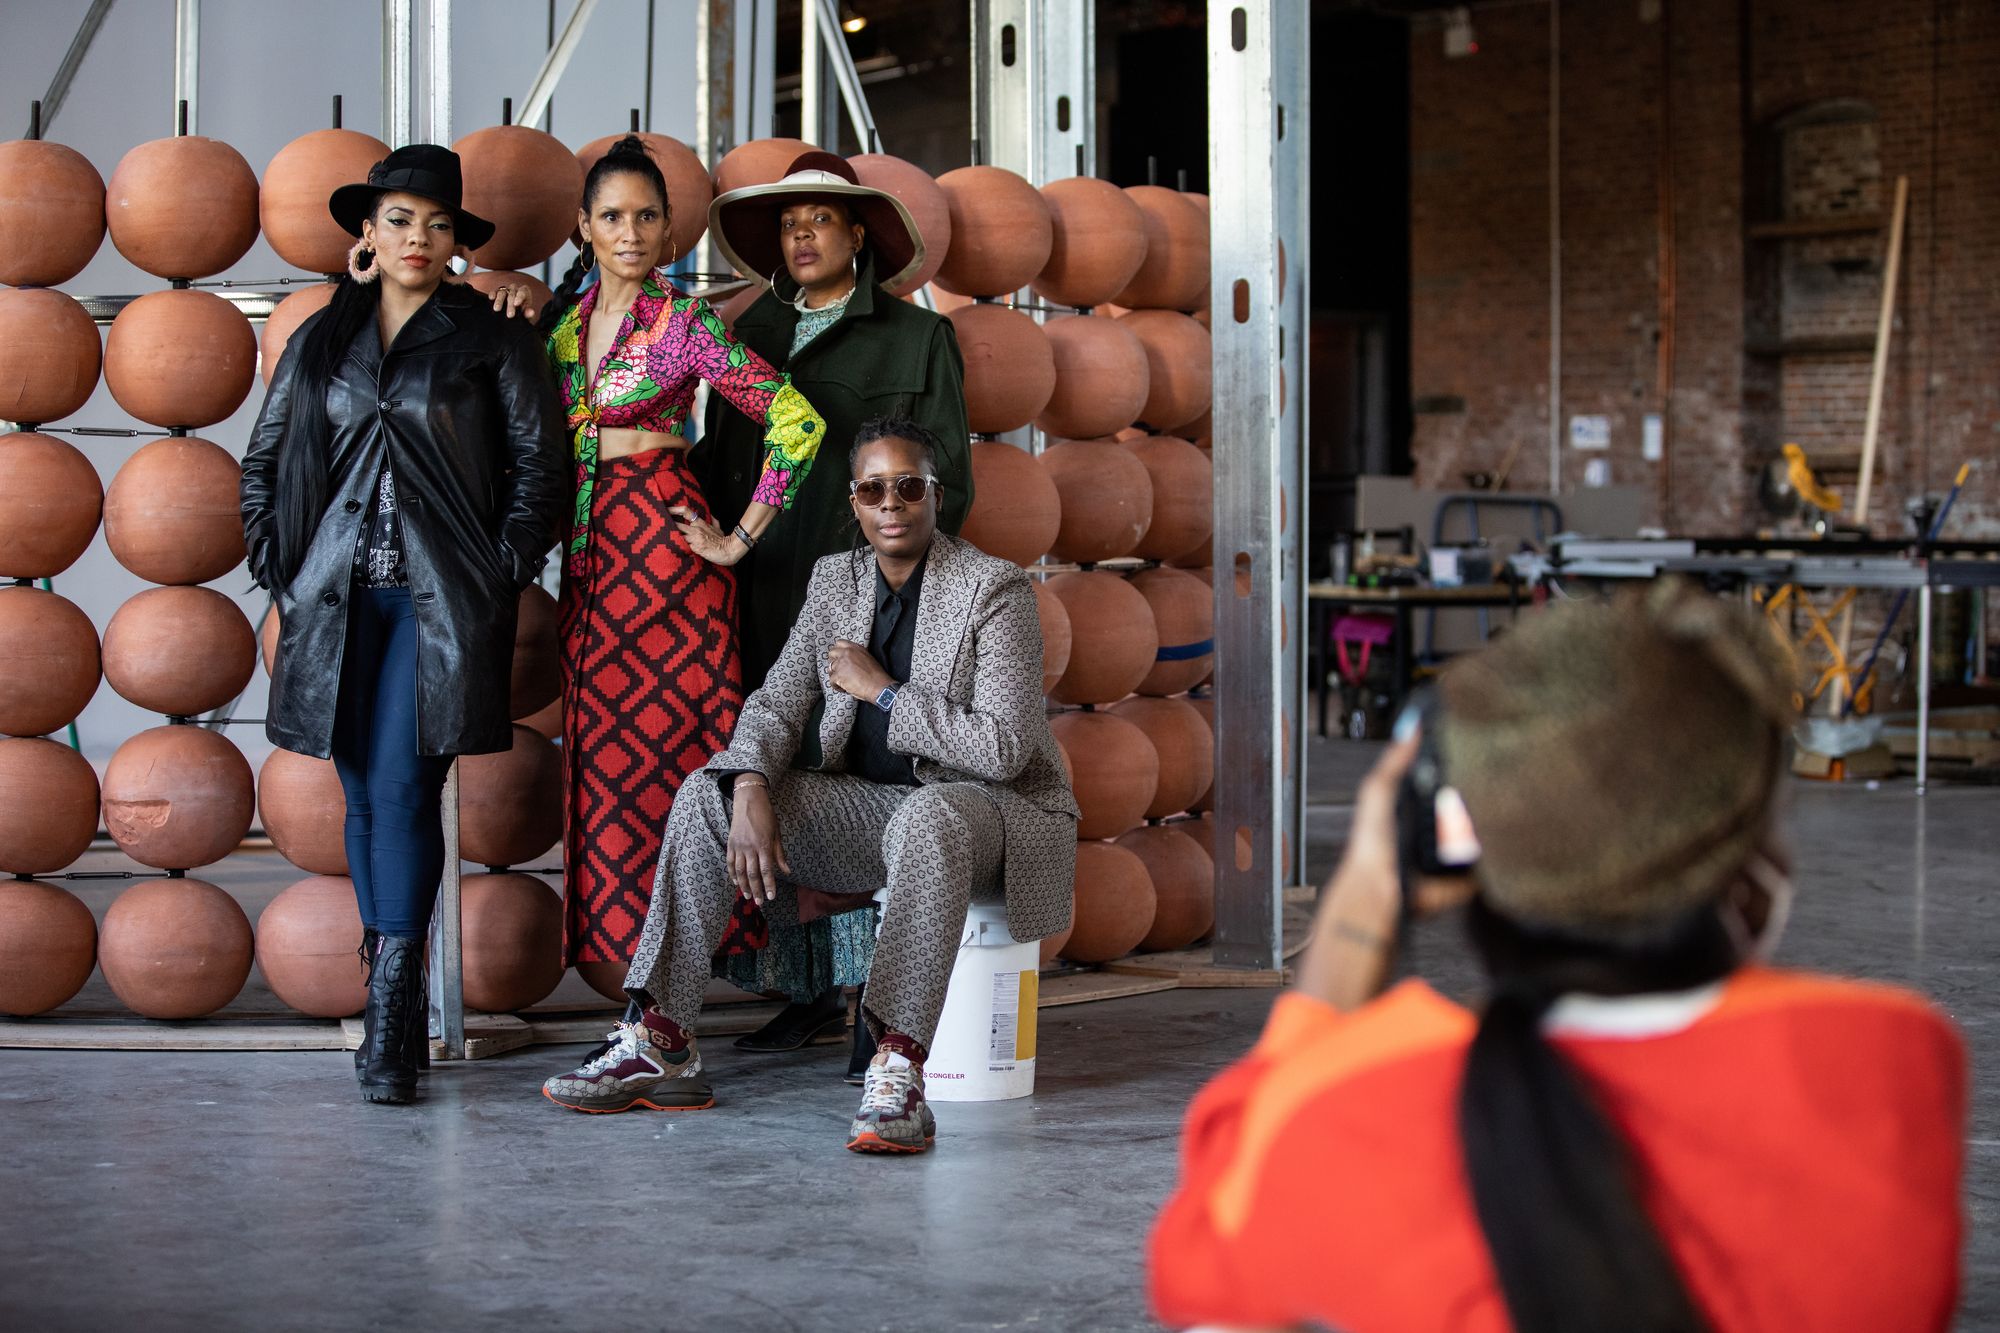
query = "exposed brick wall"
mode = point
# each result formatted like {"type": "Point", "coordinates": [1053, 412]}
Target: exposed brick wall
{"type": "Point", "coordinates": [1741, 382]}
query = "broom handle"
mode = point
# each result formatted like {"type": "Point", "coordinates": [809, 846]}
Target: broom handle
{"type": "Point", "coordinates": [1884, 325]}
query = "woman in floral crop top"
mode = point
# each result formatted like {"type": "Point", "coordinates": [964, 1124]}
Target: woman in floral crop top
{"type": "Point", "coordinates": [652, 680]}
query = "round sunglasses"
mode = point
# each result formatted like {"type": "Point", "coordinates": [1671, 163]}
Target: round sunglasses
{"type": "Point", "coordinates": [874, 491]}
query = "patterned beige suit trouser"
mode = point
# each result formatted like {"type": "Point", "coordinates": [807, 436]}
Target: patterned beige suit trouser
{"type": "Point", "coordinates": [935, 848]}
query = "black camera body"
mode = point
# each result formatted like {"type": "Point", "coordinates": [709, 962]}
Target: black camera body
{"type": "Point", "coordinates": [1434, 835]}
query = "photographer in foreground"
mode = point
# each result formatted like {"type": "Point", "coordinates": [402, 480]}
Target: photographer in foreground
{"type": "Point", "coordinates": [1645, 1128]}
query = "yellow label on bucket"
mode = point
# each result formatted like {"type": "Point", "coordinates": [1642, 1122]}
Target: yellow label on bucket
{"type": "Point", "coordinates": [1024, 1028]}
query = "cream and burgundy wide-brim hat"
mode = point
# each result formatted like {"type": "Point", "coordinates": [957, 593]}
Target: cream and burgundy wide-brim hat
{"type": "Point", "coordinates": [745, 222]}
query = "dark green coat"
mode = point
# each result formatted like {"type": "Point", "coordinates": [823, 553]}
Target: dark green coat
{"type": "Point", "coordinates": [883, 356]}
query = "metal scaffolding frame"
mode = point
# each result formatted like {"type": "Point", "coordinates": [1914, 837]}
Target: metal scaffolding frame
{"type": "Point", "coordinates": [1258, 80]}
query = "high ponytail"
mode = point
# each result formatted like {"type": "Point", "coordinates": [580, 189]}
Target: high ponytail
{"type": "Point", "coordinates": [627, 155]}
{"type": "Point", "coordinates": [1553, 1181]}
{"type": "Point", "coordinates": [303, 486]}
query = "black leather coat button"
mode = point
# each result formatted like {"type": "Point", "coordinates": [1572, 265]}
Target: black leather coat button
{"type": "Point", "coordinates": [330, 598]}
{"type": "Point", "coordinates": [353, 506]}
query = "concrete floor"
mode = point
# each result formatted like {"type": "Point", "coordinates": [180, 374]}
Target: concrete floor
{"type": "Point", "coordinates": [229, 1191]}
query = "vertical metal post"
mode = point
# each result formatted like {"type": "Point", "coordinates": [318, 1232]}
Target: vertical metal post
{"type": "Point", "coordinates": [715, 94]}
{"type": "Point", "coordinates": [1924, 684]}
{"type": "Point", "coordinates": [187, 62]}
{"type": "Point", "coordinates": [447, 962]}
{"type": "Point", "coordinates": [812, 77]}
{"type": "Point", "coordinates": [1257, 79]}
{"type": "Point", "coordinates": [437, 51]}
{"type": "Point", "coordinates": [399, 41]}
{"type": "Point", "coordinates": [1003, 93]}
{"type": "Point", "coordinates": [447, 958]}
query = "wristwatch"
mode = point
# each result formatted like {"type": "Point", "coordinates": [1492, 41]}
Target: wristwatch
{"type": "Point", "coordinates": [886, 700]}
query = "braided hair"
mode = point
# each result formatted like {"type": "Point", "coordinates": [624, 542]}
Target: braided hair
{"type": "Point", "coordinates": [627, 155]}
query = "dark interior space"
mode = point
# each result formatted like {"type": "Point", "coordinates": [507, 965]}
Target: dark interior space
{"type": "Point", "coordinates": [1359, 277]}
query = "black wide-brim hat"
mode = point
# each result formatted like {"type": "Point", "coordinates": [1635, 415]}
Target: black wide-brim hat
{"type": "Point", "coordinates": [745, 222]}
{"type": "Point", "coordinates": [422, 169]}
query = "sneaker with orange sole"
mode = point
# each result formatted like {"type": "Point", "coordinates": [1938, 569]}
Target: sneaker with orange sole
{"type": "Point", "coordinates": [634, 1074]}
{"type": "Point", "coordinates": [894, 1117]}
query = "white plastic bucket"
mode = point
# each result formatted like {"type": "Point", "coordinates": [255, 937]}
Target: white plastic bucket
{"type": "Point", "coordinates": [984, 1050]}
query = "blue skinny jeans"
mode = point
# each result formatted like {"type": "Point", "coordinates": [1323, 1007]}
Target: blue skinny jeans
{"type": "Point", "coordinates": [395, 828]}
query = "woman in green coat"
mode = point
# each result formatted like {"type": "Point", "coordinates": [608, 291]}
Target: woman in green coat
{"type": "Point", "coordinates": [832, 246]}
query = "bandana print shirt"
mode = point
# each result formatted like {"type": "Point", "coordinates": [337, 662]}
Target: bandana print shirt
{"type": "Point", "coordinates": [666, 343]}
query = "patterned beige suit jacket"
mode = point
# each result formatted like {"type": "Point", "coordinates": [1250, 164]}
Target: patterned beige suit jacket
{"type": "Point", "coordinates": [972, 710]}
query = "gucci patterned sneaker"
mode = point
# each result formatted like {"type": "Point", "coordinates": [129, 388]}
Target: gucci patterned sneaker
{"type": "Point", "coordinates": [632, 1072]}
{"type": "Point", "coordinates": [894, 1116]}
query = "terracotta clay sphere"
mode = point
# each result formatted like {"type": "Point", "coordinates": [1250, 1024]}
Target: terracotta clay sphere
{"type": "Point", "coordinates": [607, 979]}
{"type": "Point", "coordinates": [1107, 499]}
{"type": "Point", "coordinates": [513, 941]}
{"type": "Point", "coordinates": [537, 673]}
{"type": "Point", "coordinates": [547, 721]}
{"type": "Point", "coordinates": [48, 806]}
{"type": "Point", "coordinates": [690, 189]}
{"type": "Point", "coordinates": [1052, 945]}
{"type": "Point", "coordinates": [1016, 512]}
{"type": "Point", "coordinates": [53, 356]}
{"type": "Point", "coordinates": [510, 803]}
{"type": "Point", "coordinates": [308, 947]}
{"type": "Point", "coordinates": [1055, 635]}
{"type": "Point", "coordinates": [49, 663]}
{"type": "Point", "coordinates": [758, 162]}
{"type": "Point", "coordinates": [180, 358]}
{"type": "Point", "coordinates": [1001, 232]}
{"type": "Point", "coordinates": [1205, 705]}
{"type": "Point", "coordinates": [179, 651]}
{"type": "Point", "coordinates": [1179, 376]}
{"type": "Point", "coordinates": [284, 321]}
{"type": "Point", "coordinates": [527, 185]}
{"type": "Point", "coordinates": [1114, 903]}
{"type": "Point", "coordinates": [1183, 496]}
{"type": "Point", "coordinates": [732, 309]}
{"type": "Point", "coordinates": [1101, 377]}
{"type": "Point", "coordinates": [1183, 878]}
{"type": "Point", "coordinates": [297, 184]}
{"type": "Point", "coordinates": [1099, 241]}
{"type": "Point", "coordinates": [304, 810]}
{"type": "Point", "coordinates": [48, 946]}
{"type": "Point", "coordinates": [915, 189]}
{"type": "Point", "coordinates": [176, 797]}
{"type": "Point", "coordinates": [50, 502]}
{"type": "Point", "coordinates": [1113, 640]}
{"type": "Point", "coordinates": [1009, 370]}
{"type": "Point", "coordinates": [490, 281]}
{"type": "Point", "coordinates": [1184, 615]}
{"type": "Point", "coordinates": [267, 639]}
{"type": "Point", "coordinates": [1116, 770]}
{"type": "Point", "coordinates": [171, 515]}
{"type": "Point", "coordinates": [1184, 742]}
{"type": "Point", "coordinates": [51, 213]}
{"type": "Point", "coordinates": [184, 207]}
{"type": "Point", "coordinates": [175, 948]}
{"type": "Point", "coordinates": [1174, 275]}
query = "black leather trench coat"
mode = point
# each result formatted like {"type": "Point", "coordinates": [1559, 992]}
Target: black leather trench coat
{"type": "Point", "coordinates": [463, 407]}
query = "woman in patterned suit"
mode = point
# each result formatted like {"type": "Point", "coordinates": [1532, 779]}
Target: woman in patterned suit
{"type": "Point", "coordinates": [651, 675]}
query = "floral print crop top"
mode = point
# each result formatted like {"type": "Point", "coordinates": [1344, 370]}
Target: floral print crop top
{"type": "Point", "coordinates": [667, 342]}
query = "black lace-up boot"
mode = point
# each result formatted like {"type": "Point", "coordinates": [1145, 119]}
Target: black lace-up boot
{"type": "Point", "coordinates": [371, 940]}
{"type": "Point", "coordinates": [395, 1022]}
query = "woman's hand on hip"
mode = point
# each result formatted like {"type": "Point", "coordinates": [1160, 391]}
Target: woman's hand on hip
{"type": "Point", "coordinates": [705, 539]}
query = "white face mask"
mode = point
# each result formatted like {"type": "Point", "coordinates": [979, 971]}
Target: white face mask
{"type": "Point", "coordinates": [1759, 946]}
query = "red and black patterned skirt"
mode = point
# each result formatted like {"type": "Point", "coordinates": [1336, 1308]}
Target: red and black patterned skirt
{"type": "Point", "coordinates": [651, 689]}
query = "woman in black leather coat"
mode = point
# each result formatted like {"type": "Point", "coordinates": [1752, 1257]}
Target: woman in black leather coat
{"type": "Point", "coordinates": [403, 484]}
